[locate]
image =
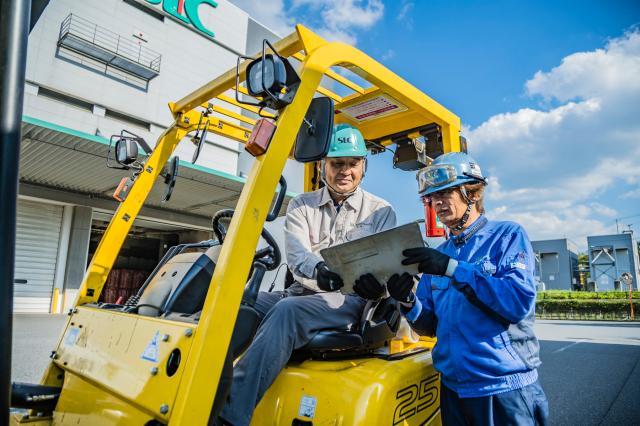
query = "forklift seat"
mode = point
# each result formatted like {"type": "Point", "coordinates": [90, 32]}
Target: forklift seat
{"type": "Point", "coordinates": [379, 323]}
{"type": "Point", "coordinates": [180, 285]}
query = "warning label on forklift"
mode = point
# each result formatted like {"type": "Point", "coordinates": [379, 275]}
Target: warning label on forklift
{"type": "Point", "coordinates": [72, 336]}
{"type": "Point", "coordinates": [307, 406]}
{"type": "Point", "coordinates": [151, 351]}
{"type": "Point", "coordinates": [373, 108]}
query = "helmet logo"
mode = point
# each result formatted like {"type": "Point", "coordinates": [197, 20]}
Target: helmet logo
{"type": "Point", "coordinates": [345, 139]}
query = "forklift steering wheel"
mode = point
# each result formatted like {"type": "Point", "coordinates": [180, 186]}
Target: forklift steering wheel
{"type": "Point", "coordinates": [269, 256]}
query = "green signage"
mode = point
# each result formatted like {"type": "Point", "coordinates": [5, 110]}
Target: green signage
{"type": "Point", "coordinates": [186, 11]}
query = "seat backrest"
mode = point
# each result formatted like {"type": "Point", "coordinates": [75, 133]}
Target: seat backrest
{"type": "Point", "coordinates": [180, 285]}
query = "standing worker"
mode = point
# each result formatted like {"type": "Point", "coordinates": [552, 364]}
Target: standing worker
{"type": "Point", "coordinates": [341, 211]}
{"type": "Point", "coordinates": [477, 296]}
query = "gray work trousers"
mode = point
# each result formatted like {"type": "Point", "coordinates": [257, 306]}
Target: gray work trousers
{"type": "Point", "coordinates": [290, 321]}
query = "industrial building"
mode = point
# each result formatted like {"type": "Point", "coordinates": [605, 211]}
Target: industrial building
{"type": "Point", "coordinates": [556, 264]}
{"type": "Point", "coordinates": [609, 257]}
{"type": "Point", "coordinates": [94, 69]}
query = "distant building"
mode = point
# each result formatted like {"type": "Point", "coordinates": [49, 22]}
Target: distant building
{"type": "Point", "coordinates": [609, 257]}
{"type": "Point", "coordinates": [556, 264]}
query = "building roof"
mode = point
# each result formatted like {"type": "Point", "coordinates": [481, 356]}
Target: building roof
{"type": "Point", "coordinates": [57, 157]}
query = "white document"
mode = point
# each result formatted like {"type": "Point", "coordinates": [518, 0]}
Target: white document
{"type": "Point", "coordinates": [378, 254]}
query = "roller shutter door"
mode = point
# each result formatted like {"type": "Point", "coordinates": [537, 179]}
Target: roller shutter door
{"type": "Point", "coordinates": [37, 240]}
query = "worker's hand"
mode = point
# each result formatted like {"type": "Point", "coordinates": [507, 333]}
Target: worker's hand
{"type": "Point", "coordinates": [430, 261]}
{"type": "Point", "coordinates": [400, 287]}
{"type": "Point", "coordinates": [368, 287]}
{"type": "Point", "coordinates": [327, 279]}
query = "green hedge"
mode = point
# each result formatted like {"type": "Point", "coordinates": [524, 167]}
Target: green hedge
{"type": "Point", "coordinates": [599, 295]}
{"type": "Point", "coordinates": [586, 309]}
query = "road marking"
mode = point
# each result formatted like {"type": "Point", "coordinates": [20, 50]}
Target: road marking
{"type": "Point", "coordinates": [564, 348]}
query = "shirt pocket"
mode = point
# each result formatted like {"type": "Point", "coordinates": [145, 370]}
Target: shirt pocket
{"type": "Point", "coordinates": [360, 230]}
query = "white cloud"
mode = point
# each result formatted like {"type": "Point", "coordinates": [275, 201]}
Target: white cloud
{"type": "Point", "coordinates": [604, 210]}
{"type": "Point", "coordinates": [341, 19]}
{"type": "Point", "coordinates": [338, 20]}
{"type": "Point", "coordinates": [590, 74]}
{"type": "Point", "coordinates": [405, 16]}
{"type": "Point", "coordinates": [560, 170]}
{"type": "Point", "coordinates": [270, 13]}
{"type": "Point", "coordinates": [631, 194]}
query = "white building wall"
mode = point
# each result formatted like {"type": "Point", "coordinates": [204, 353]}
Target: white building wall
{"type": "Point", "coordinates": [189, 60]}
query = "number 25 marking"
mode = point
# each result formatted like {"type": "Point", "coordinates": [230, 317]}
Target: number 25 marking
{"type": "Point", "coordinates": [415, 398]}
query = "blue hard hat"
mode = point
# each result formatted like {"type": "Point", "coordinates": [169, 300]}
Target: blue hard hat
{"type": "Point", "coordinates": [449, 170]}
{"type": "Point", "coordinates": [346, 141]}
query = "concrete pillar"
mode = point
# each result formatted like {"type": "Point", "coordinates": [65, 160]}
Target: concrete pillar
{"type": "Point", "coordinates": [77, 254]}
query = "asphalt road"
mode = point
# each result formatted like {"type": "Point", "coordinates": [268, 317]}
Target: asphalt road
{"type": "Point", "coordinates": [590, 370]}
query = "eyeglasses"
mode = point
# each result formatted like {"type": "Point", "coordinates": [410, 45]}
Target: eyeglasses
{"type": "Point", "coordinates": [440, 195]}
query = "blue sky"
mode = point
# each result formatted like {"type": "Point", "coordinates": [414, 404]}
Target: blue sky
{"type": "Point", "coordinates": [548, 93]}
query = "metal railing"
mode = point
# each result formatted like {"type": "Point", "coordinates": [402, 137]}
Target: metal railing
{"type": "Point", "coordinates": [109, 41]}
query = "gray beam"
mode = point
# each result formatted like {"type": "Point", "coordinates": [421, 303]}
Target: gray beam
{"type": "Point", "coordinates": [97, 202]}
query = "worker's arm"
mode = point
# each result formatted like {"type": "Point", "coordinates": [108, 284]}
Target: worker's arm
{"type": "Point", "coordinates": [511, 291]}
{"type": "Point", "coordinates": [302, 261]}
{"type": "Point", "coordinates": [421, 316]}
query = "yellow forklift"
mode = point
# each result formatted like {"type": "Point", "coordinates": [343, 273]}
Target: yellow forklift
{"type": "Point", "coordinates": [166, 356]}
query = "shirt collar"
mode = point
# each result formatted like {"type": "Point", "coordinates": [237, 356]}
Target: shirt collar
{"type": "Point", "coordinates": [462, 238]}
{"type": "Point", "coordinates": [325, 197]}
{"type": "Point", "coordinates": [354, 201]}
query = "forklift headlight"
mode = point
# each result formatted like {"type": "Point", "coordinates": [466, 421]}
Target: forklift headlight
{"type": "Point", "coordinates": [266, 76]}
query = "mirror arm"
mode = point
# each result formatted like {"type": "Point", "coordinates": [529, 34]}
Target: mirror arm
{"type": "Point", "coordinates": [278, 204]}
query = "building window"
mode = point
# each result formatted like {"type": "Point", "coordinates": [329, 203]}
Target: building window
{"type": "Point", "coordinates": [61, 97]}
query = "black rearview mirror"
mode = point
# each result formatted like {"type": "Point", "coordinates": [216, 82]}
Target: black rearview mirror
{"type": "Point", "coordinates": [126, 151]}
{"type": "Point", "coordinates": [314, 136]}
{"type": "Point", "coordinates": [170, 178]}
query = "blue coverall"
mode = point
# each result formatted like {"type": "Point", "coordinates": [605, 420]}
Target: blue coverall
{"type": "Point", "coordinates": [483, 319]}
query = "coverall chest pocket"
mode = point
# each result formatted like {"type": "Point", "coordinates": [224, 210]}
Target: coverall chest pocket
{"type": "Point", "coordinates": [360, 230]}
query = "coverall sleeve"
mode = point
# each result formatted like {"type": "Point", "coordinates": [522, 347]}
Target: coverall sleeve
{"type": "Point", "coordinates": [511, 291]}
{"type": "Point", "coordinates": [422, 317]}
{"type": "Point", "coordinates": [302, 261]}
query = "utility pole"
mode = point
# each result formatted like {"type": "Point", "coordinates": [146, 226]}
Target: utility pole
{"type": "Point", "coordinates": [14, 31]}
{"type": "Point", "coordinates": [617, 230]}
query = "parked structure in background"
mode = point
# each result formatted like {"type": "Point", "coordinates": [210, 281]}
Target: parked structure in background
{"type": "Point", "coordinates": [584, 272]}
{"type": "Point", "coordinates": [95, 68]}
{"type": "Point", "coordinates": [556, 264]}
{"type": "Point", "coordinates": [609, 257]}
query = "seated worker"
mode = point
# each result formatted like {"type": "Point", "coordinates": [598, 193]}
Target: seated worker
{"type": "Point", "coordinates": [477, 296]}
{"type": "Point", "coordinates": [339, 212]}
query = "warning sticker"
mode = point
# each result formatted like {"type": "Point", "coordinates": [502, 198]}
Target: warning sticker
{"type": "Point", "coordinates": [307, 406]}
{"type": "Point", "coordinates": [72, 336]}
{"type": "Point", "coordinates": [151, 351]}
{"type": "Point", "coordinates": [373, 108]}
